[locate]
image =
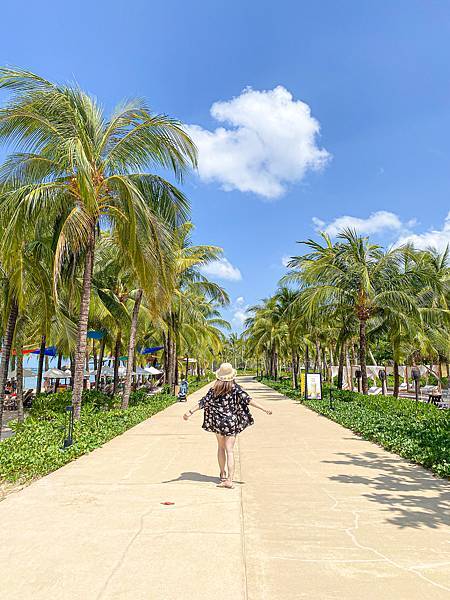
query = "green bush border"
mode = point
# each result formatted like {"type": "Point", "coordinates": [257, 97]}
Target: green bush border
{"type": "Point", "coordinates": [35, 449]}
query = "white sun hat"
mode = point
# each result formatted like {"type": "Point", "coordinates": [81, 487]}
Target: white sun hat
{"type": "Point", "coordinates": [226, 372]}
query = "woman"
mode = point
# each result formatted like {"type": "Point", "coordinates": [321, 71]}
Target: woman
{"type": "Point", "coordinates": [226, 414]}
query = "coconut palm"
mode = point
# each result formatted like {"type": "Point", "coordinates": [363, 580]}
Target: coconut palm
{"type": "Point", "coordinates": [190, 284]}
{"type": "Point", "coordinates": [80, 169]}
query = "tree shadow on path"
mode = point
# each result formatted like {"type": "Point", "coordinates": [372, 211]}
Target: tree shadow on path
{"type": "Point", "coordinates": [413, 497]}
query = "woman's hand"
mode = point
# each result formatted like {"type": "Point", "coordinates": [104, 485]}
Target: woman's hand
{"type": "Point", "coordinates": [186, 416]}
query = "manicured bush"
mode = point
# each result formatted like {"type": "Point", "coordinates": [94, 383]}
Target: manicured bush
{"type": "Point", "coordinates": [417, 431]}
{"type": "Point", "coordinates": [49, 404]}
{"type": "Point", "coordinates": [35, 449]}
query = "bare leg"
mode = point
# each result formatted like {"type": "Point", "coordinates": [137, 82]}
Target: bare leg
{"type": "Point", "coordinates": [229, 447]}
{"type": "Point", "coordinates": [221, 455]}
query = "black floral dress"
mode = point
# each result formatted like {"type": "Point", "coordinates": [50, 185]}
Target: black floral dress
{"type": "Point", "coordinates": [228, 414]}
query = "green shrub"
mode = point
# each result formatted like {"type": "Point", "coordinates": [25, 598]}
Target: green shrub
{"type": "Point", "coordinates": [46, 405]}
{"type": "Point", "coordinates": [417, 431]}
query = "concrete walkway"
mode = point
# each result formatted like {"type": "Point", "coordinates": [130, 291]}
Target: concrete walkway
{"type": "Point", "coordinates": [317, 514]}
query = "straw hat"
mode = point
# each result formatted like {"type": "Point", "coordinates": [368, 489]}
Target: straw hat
{"type": "Point", "coordinates": [226, 372]}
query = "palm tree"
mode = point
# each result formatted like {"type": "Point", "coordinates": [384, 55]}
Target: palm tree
{"type": "Point", "coordinates": [189, 285]}
{"type": "Point", "coordinates": [353, 276]}
{"type": "Point", "coordinates": [80, 169]}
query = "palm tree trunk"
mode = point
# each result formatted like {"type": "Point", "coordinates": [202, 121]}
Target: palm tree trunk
{"type": "Point", "coordinates": [324, 365]}
{"type": "Point", "coordinates": [59, 363]}
{"type": "Point", "coordinates": [19, 348]}
{"type": "Point", "coordinates": [100, 363]}
{"type": "Point", "coordinates": [341, 366]}
{"type": "Point", "coordinates": [294, 372]}
{"type": "Point", "coordinates": [362, 355]}
{"type": "Point", "coordinates": [396, 379]}
{"type": "Point", "coordinates": [116, 361]}
{"type": "Point", "coordinates": [348, 366]}
{"type": "Point", "coordinates": [94, 355]}
{"type": "Point", "coordinates": [80, 350]}
{"type": "Point", "coordinates": [6, 353]}
{"type": "Point", "coordinates": [72, 368]}
{"type": "Point", "coordinates": [131, 349]}
{"type": "Point", "coordinates": [40, 364]}
{"type": "Point", "coordinates": [187, 366]}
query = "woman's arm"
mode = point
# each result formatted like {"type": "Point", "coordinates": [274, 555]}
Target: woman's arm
{"type": "Point", "coordinates": [190, 412]}
{"type": "Point", "coordinates": [257, 405]}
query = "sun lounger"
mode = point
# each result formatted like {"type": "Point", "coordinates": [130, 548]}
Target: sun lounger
{"type": "Point", "coordinates": [428, 389]}
{"type": "Point", "coordinates": [403, 386]}
{"type": "Point", "coordinates": [375, 391]}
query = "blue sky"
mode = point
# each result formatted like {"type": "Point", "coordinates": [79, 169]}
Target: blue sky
{"type": "Point", "coordinates": [373, 77]}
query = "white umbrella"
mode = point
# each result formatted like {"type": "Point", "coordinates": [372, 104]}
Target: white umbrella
{"type": "Point", "coordinates": [140, 371]}
{"type": "Point", "coordinates": [26, 373]}
{"type": "Point", "coordinates": [68, 373]}
{"type": "Point", "coordinates": [106, 372]}
{"type": "Point", "coordinates": [55, 374]}
{"type": "Point", "coordinates": [153, 371]}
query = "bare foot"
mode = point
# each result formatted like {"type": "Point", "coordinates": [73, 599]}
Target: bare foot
{"type": "Point", "coordinates": [226, 484]}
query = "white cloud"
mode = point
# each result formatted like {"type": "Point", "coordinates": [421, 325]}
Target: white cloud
{"type": "Point", "coordinates": [239, 310]}
{"type": "Point", "coordinates": [285, 260]}
{"type": "Point", "coordinates": [434, 238]}
{"type": "Point", "coordinates": [378, 221]}
{"type": "Point", "coordinates": [222, 269]}
{"type": "Point", "coordinates": [269, 140]}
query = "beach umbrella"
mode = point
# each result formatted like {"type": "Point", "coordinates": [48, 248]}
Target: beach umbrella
{"type": "Point", "coordinates": [26, 373]}
{"type": "Point", "coordinates": [150, 350]}
{"type": "Point", "coordinates": [140, 371]}
{"type": "Point", "coordinates": [106, 372]}
{"type": "Point", "coordinates": [153, 371]}
{"type": "Point", "coordinates": [55, 374]}
{"type": "Point", "coordinates": [50, 351]}
{"type": "Point", "coordinates": [68, 373]}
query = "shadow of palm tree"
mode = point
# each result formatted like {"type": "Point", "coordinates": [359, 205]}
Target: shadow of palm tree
{"type": "Point", "coordinates": [413, 497]}
{"type": "Point", "coordinates": [193, 476]}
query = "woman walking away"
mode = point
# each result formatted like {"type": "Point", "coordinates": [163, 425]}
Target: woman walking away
{"type": "Point", "coordinates": [226, 414]}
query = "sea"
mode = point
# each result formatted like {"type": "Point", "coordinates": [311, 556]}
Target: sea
{"type": "Point", "coordinates": [30, 361]}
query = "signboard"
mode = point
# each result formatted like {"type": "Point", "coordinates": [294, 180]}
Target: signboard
{"type": "Point", "coordinates": [314, 386]}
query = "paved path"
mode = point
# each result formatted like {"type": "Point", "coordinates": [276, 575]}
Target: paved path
{"type": "Point", "coordinates": [318, 514]}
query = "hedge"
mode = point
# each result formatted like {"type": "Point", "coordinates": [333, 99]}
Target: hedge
{"type": "Point", "coordinates": [417, 431]}
{"type": "Point", "coordinates": [35, 449]}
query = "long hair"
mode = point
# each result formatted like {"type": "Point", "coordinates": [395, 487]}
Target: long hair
{"type": "Point", "coordinates": [220, 388]}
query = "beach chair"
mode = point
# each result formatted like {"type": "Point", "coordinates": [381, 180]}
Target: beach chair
{"type": "Point", "coordinates": [375, 391]}
{"type": "Point", "coordinates": [403, 387]}
{"type": "Point", "coordinates": [28, 398]}
{"type": "Point", "coordinates": [428, 389]}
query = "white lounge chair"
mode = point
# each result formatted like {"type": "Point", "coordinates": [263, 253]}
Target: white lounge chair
{"type": "Point", "coordinates": [375, 391]}
{"type": "Point", "coordinates": [403, 386]}
{"type": "Point", "coordinates": [428, 389]}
